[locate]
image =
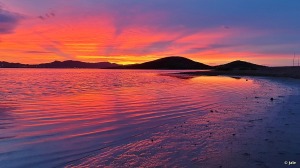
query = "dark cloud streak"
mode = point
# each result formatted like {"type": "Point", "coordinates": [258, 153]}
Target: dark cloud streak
{"type": "Point", "coordinates": [8, 21]}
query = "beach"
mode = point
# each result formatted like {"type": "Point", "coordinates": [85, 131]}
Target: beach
{"type": "Point", "coordinates": [149, 84]}
{"type": "Point", "coordinates": [123, 118]}
{"type": "Point", "coordinates": [286, 72]}
{"type": "Point", "coordinates": [258, 131]}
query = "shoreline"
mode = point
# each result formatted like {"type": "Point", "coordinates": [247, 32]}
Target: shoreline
{"type": "Point", "coordinates": [287, 72]}
{"type": "Point", "coordinates": [276, 142]}
{"type": "Point", "coordinates": [256, 132]}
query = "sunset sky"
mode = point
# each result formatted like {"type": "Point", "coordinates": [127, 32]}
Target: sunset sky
{"type": "Point", "coordinates": [132, 31]}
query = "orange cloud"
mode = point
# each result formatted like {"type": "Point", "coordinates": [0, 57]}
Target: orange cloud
{"type": "Point", "coordinates": [99, 38]}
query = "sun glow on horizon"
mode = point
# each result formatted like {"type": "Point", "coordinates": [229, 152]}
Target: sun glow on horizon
{"type": "Point", "coordinates": [129, 36]}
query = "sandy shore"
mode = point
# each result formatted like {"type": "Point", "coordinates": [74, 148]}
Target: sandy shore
{"type": "Point", "coordinates": [255, 132]}
{"type": "Point", "coordinates": [276, 142]}
{"type": "Point", "coordinates": [290, 72]}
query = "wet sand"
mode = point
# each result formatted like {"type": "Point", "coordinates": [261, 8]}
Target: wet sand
{"type": "Point", "coordinates": [257, 132]}
{"type": "Point", "coordinates": [290, 72]}
{"type": "Point", "coordinates": [275, 143]}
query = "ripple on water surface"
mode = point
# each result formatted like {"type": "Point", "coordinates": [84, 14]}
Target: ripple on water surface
{"type": "Point", "coordinates": [50, 117]}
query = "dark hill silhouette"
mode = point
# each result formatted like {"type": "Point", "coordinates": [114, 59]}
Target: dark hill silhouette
{"type": "Point", "coordinates": [59, 64]}
{"type": "Point", "coordinates": [4, 64]}
{"type": "Point", "coordinates": [173, 62]}
{"type": "Point", "coordinates": [239, 65]}
{"type": "Point", "coordinates": [76, 64]}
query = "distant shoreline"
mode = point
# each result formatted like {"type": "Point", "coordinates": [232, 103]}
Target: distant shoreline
{"type": "Point", "coordinates": [287, 72]}
{"type": "Point", "coordinates": [168, 63]}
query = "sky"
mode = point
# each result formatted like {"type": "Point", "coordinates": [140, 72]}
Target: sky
{"type": "Point", "coordinates": [214, 32]}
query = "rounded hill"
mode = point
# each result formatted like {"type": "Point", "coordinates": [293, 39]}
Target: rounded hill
{"type": "Point", "coordinates": [172, 62]}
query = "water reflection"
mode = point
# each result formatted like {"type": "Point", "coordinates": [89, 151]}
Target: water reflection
{"type": "Point", "coordinates": [63, 115]}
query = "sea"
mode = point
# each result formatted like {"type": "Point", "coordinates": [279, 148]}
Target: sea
{"type": "Point", "coordinates": [55, 117]}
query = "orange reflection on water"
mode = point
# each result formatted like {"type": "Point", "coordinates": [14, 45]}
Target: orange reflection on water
{"type": "Point", "coordinates": [67, 112]}
{"type": "Point", "coordinates": [205, 135]}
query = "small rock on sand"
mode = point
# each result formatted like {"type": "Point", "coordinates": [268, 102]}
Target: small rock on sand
{"type": "Point", "coordinates": [246, 154]}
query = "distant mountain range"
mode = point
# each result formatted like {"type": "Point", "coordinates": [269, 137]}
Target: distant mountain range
{"type": "Point", "coordinates": [76, 64]}
{"type": "Point", "coordinates": [59, 64]}
{"type": "Point", "coordinates": [173, 62]}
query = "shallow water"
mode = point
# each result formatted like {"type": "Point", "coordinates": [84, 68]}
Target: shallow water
{"type": "Point", "coordinates": [53, 117]}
